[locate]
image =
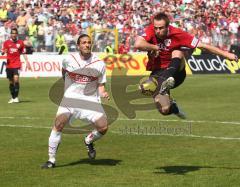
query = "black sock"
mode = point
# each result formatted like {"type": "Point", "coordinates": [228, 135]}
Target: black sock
{"type": "Point", "coordinates": [11, 88]}
{"type": "Point", "coordinates": [16, 89]}
{"type": "Point", "coordinates": [172, 68]}
{"type": "Point", "coordinates": [173, 109]}
{"type": "Point", "coordinates": [170, 71]}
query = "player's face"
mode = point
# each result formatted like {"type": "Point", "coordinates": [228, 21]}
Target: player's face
{"type": "Point", "coordinates": [14, 35]}
{"type": "Point", "coordinates": [160, 28]}
{"type": "Point", "coordinates": [85, 45]}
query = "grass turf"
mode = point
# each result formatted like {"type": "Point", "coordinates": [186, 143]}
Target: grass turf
{"type": "Point", "coordinates": [149, 150]}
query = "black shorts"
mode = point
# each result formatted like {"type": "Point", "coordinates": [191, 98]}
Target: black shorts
{"type": "Point", "coordinates": [11, 72]}
{"type": "Point", "coordinates": [179, 76]}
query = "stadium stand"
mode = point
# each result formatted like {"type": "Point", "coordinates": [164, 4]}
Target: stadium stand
{"type": "Point", "coordinates": [215, 21]}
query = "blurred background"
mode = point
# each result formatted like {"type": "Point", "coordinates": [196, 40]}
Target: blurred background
{"type": "Point", "coordinates": [46, 25]}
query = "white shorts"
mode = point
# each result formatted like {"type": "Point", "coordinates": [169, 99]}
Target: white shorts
{"type": "Point", "coordinates": [89, 114]}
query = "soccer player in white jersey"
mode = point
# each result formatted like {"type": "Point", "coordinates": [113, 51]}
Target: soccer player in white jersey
{"type": "Point", "coordinates": [85, 78]}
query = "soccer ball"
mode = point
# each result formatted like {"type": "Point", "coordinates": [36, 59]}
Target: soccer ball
{"type": "Point", "coordinates": [148, 85]}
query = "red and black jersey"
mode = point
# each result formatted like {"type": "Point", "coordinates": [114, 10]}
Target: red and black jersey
{"type": "Point", "coordinates": [175, 39]}
{"type": "Point", "coordinates": [13, 50]}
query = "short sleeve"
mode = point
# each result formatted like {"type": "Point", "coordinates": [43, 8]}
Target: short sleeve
{"type": "Point", "coordinates": [188, 40]}
{"type": "Point", "coordinates": [148, 33]}
{"type": "Point", "coordinates": [65, 64]}
{"type": "Point", "coordinates": [103, 78]}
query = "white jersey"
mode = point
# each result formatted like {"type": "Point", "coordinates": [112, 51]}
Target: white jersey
{"type": "Point", "coordinates": [83, 76]}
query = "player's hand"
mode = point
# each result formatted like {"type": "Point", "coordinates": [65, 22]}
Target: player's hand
{"type": "Point", "coordinates": [232, 56]}
{"type": "Point", "coordinates": [153, 54]}
{"type": "Point", "coordinates": [105, 95]}
{"type": "Point", "coordinates": [236, 58]}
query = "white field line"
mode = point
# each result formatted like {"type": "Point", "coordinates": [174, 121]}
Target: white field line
{"type": "Point", "coordinates": [116, 132]}
{"type": "Point", "coordinates": [24, 126]}
{"type": "Point", "coordinates": [42, 127]}
{"type": "Point", "coordinates": [138, 119]}
{"type": "Point", "coordinates": [180, 135]}
{"type": "Point", "coordinates": [182, 121]}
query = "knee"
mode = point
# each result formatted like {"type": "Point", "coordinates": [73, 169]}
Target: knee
{"type": "Point", "coordinates": [58, 126]}
{"type": "Point", "coordinates": [103, 129]}
{"type": "Point", "coordinates": [163, 110]}
{"type": "Point", "coordinates": [102, 125]}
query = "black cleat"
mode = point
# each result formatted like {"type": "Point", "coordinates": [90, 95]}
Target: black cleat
{"type": "Point", "coordinates": [167, 85]}
{"type": "Point", "coordinates": [181, 114]}
{"type": "Point", "coordinates": [48, 165]}
{"type": "Point", "coordinates": [91, 150]}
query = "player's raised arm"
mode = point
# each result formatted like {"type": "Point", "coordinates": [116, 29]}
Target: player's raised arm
{"type": "Point", "coordinates": [217, 51]}
{"type": "Point", "coordinates": [142, 45]}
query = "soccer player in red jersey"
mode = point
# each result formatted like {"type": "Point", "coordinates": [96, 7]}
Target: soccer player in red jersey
{"type": "Point", "coordinates": [165, 45]}
{"type": "Point", "coordinates": [13, 48]}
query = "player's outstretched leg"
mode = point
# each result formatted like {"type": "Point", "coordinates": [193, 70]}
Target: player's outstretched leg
{"type": "Point", "coordinates": [101, 129]}
{"type": "Point", "coordinates": [167, 106]}
{"type": "Point", "coordinates": [167, 85]}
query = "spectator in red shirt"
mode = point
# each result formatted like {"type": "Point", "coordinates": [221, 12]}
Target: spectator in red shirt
{"type": "Point", "coordinates": [165, 45]}
{"type": "Point", "coordinates": [72, 27]}
{"type": "Point", "coordinates": [13, 47]}
{"type": "Point", "coordinates": [122, 49]}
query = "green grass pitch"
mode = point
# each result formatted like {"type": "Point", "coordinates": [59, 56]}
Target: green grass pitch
{"type": "Point", "coordinates": [149, 150]}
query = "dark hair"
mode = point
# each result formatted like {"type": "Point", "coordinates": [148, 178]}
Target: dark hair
{"type": "Point", "coordinates": [14, 29]}
{"type": "Point", "coordinates": [162, 16]}
{"type": "Point", "coordinates": [82, 36]}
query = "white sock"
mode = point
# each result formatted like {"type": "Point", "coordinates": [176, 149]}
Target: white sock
{"type": "Point", "coordinates": [93, 136]}
{"type": "Point", "coordinates": [54, 141]}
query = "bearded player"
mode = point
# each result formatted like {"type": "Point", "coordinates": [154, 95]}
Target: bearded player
{"type": "Point", "coordinates": [165, 45]}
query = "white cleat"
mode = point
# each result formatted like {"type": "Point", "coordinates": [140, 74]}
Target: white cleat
{"type": "Point", "coordinates": [16, 100]}
{"type": "Point", "coordinates": [167, 85]}
{"type": "Point", "coordinates": [11, 101]}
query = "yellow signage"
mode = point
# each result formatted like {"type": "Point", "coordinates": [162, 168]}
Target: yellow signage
{"type": "Point", "coordinates": [128, 64]}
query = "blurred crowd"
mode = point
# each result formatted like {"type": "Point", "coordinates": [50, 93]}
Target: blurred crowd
{"type": "Point", "coordinates": [46, 25]}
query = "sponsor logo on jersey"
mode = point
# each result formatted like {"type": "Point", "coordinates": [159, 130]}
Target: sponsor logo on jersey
{"type": "Point", "coordinates": [13, 50]}
{"type": "Point", "coordinates": [194, 42]}
{"type": "Point", "coordinates": [162, 46]}
{"type": "Point", "coordinates": [167, 42]}
{"type": "Point", "coordinates": [79, 78]}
